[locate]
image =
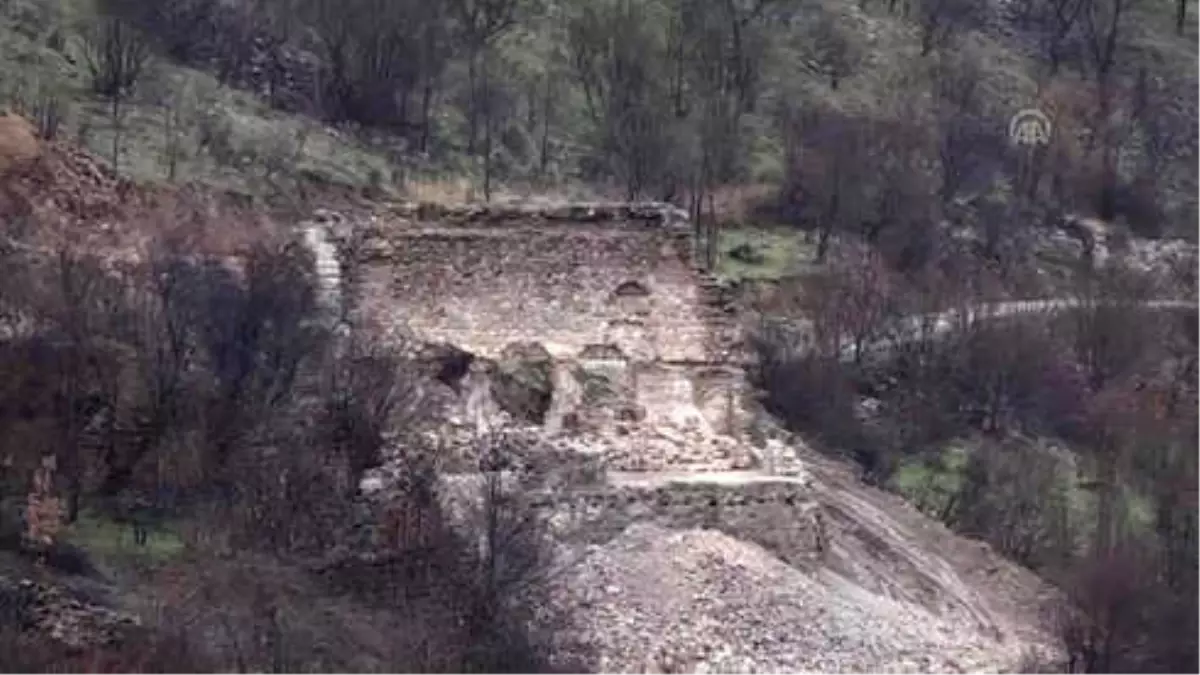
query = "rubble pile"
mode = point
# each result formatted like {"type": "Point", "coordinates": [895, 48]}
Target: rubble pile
{"type": "Point", "coordinates": [60, 615]}
{"type": "Point", "coordinates": [654, 600]}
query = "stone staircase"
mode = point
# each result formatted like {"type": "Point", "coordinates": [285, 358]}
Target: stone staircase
{"type": "Point", "coordinates": [721, 313]}
{"type": "Point", "coordinates": [328, 267]}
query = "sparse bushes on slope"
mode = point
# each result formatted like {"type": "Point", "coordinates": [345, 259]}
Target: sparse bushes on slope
{"type": "Point", "coordinates": [1106, 377]}
{"type": "Point", "coordinates": [210, 393]}
{"type": "Point", "coordinates": [678, 99]}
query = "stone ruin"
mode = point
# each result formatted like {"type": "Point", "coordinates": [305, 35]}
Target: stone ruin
{"type": "Point", "coordinates": [592, 329]}
{"type": "Point", "coordinates": [591, 336]}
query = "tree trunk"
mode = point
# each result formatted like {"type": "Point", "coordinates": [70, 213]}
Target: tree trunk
{"type": "Point", "coordinates": [116, 144]}
{"type": "Point", "coordinates": [172, 142]}
{"type": "Point", "coordinates": [426, 116]}
{"type": "Point", "coordinates": [1180, 16]}
{"type": "Point", "coordinates": [823, 241]}
{"type": "Point", "coordinates": [713, 232]}
{"type": "Point", "coordinates": [677, 77]}
{"type": "Point", "coordinates": [547, 107]}
{"type": "Point", "coordinates": [1107, 197]}
{"type": "Point", "coordinates": [487, 136]}
{"type": "Point", "coordinates": [1105, 506]}
{"type": "Point", "coordinates": [472, 102]}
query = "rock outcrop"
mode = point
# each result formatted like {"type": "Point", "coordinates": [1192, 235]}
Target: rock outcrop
{"type": "Point", "coordinates": [61, 615]}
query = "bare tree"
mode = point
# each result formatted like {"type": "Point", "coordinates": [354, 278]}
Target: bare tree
{"type": "Point", "coordinates": [116, 54]}
{"type": "Point", "coordinates": [1106, 617]}
{"type": "Point", "coordinates": [827, 159]}
{"type": "Point", "coordinates": [903, 174]}
{"type": "Point", "coordinates": [184, 29]}
{"type": "Point", "coordinates": [853, 300]}
{"type": "Point", "coordinates": [479, 23]}
{"type": "Point", "coordinates": [1155, 124]}
{"type": "Point", "coordinates": [834, 55]}
{"type": "Point", "coordinates": [1016, 496]}
{"type": "Point", "coordinates": [614, 51]}
{"type": "Point", "coordinates": [1057, 21]}
{"type": "Point", "coordinates": [963, 144]}
{"type": "Point", "coordinates": [941, 20]}
{"type": "Point", "coordinates": [372, 54]}
{"type": "Point", "coordinates": [1103, 21]}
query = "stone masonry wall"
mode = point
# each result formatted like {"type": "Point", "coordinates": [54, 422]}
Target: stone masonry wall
{"type": "Point", "coordinates": [779, 515]}
{"type": "Point", "coordinates": [604, 288]}
{"type": "Point", "coordinates": [571, 280]}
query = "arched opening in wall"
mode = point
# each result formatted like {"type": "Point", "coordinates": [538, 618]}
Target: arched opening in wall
{"type": "Point", "coordinates": [630, 309]}
{"type": "Point", "coordinates": [631, 289]}
{"type": "Point", "coordinates": [448, 363]}
{"type": "Point", "coordinates": [631, 299]}
{"type": "Point", "coordinates": [604, 375]}
{"type": "Point", "coordinates": [603, 352]}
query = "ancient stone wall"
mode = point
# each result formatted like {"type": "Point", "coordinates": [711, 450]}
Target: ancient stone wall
{"type": "Point", "coordinates": [574, 280]}
{"type": "Point", "coordinates": [778, 514]}
{"type": "Point", "coordinates": [648, 349]}
{"type": "Point", "coordinates": [715, 391]}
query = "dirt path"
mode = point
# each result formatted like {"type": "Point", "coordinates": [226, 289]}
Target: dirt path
{"type": "Point", "coordinates": [915, 327]}
{"type": "Point", "coordinates": [651, 479]}
{"type": "Point", "coordinates": [886, 545]}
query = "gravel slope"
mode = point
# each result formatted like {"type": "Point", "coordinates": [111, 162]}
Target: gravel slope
{"type": "Point", "coordinates": [656, 600]}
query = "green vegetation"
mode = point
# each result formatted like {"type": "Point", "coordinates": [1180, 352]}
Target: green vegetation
{"type": "Point", "coordinates": [851, 114]}
{"type": "Point", "coordinates": [180, 123]}
{"type": "Point", "coordinates": [767, 253]}
{"type": "Point", "coordinates": [111, 543]}
{"type": "Point", "coordinates": [933, 484]}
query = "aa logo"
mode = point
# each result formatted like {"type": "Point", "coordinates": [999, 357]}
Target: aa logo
{"type": "Point", "coordinates": [1029, 127]}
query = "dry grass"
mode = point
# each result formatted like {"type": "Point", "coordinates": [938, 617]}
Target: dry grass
{"type": "Point", "coordinates": [741, 204]}
{"type": "Point", "coordinates": [68, 197]}
{"type": "Point", "coordinates": [780, 252]}
{"type": "Point", "coordinates": [18, 141]}
{"type": "Point", "coordinates": [442, 190]}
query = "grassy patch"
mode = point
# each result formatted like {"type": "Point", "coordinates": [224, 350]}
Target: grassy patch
{"type": "Point", "coordinates": [111, 543]}
{"type": "Point", "coordinates": [762, 253]}
{"type": "Point", "coordinates": [932, 484]}
{"type": "Point", "coordinates": [258, 150]}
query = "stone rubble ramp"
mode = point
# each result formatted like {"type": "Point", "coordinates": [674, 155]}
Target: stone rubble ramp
{"type": "Point", "coordinates": [656, 600]}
